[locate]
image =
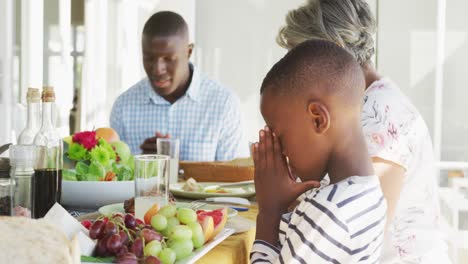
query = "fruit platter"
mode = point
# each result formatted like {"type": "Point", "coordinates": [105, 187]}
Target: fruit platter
{"type": "Point", "coordinates": [168, 235]}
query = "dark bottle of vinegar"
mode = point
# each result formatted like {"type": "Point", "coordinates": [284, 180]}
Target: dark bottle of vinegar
{"type": "Point", "coordinates": [48, 169]}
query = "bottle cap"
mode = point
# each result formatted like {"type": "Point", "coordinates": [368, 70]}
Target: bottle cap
{"type": "Point", "coordinates": [33, 95]}
{"type": "Point", "coordinates": [48, 94]}
{"type": "Point", "coordinates": [22, 155]}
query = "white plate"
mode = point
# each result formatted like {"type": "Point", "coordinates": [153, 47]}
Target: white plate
{"type": "Point", "coordinates": [176, 189]}
{"type": "Point", "coordinates": [118, 208]}
{"type": "Point", "coordinates": [197, 254]}
{"type": "Point", "coordinates": [94, 194]}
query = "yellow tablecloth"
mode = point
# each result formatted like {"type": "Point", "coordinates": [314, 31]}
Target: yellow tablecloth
{"type": "Point", "coordinates": [236, 248]}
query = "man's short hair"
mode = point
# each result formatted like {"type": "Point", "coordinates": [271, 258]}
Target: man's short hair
{"type": "Point", "coordinates": [165, 24]}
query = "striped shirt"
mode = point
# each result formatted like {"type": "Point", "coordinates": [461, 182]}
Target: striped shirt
{"type": "Point", "coordinates": [338, 223]}
{"type": "Point", "coordinates": [207, 119]}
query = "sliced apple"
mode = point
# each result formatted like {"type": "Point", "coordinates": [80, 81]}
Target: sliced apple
{"type": "Point", "coordinates": [217, 217]}
{"type": "Point", "coordinates": [207, 225]}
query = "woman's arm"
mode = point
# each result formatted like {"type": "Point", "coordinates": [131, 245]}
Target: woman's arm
{"type": "Point", "coordinates": [391, 177]}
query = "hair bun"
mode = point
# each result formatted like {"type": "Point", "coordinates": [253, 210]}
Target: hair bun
{"type": "Point", "coordinates": [349, 23]}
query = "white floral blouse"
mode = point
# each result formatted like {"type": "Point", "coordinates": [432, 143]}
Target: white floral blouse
{"type": "Point", "coordinates": [395, 131]}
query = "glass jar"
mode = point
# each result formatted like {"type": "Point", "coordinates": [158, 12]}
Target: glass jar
{"type": "Point", "coordinates": [6, 188]}
{"type": "Point", "coordinates": [22, 160]}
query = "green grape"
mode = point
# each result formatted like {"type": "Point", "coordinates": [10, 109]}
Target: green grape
{"type": "Point", "coordinates": [167, 256]}
{"type": "Point", "coordinates": [152, 248]}
{"type": "Point", "coordinates": [168, 210]}
{"type": "Point", "coordinates": [159, 222]}
{"type": "Point", "coordinates": [182, 248]}
{"type": "Point", "coordinates": [171, 222]}
{"type": "Point", "coordinates": [198, 238]}
{"type": "Point", "coordinates": [186, 215]}
{"type": "Point", "coordinates": [180, 232]}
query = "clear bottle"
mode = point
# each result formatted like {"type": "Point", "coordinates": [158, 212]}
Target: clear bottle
{"type": "Point", "coordinates": [33, 99]}
{"type": "Point", "coordinates": [6, 188]}
{"type": "Point", "coordinates": [48, 169]}
{"type": "Point", "coordinates": [22, 160]}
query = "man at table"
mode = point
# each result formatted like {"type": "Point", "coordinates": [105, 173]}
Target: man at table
{"type": "Point", "coordinates": [176, 100]}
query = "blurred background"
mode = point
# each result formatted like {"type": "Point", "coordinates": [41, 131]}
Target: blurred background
{"type": "Point", "coordinates": [89, 50]}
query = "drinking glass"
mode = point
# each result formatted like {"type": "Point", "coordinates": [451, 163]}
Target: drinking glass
{"type": "Point", "coordinates": [170, 147]}
{"type": "Point", "coordinates": [151, 183]}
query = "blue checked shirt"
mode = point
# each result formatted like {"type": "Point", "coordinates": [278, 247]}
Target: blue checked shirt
{"type": "Point", "coordinates": [207, 119]}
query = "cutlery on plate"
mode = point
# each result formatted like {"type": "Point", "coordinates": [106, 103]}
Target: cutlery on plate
{"type": "Point", "coordinates": [231, 200]}
{"type": "Point", "coordinates": [240, 209]}
{"type": "Point", "coordinates": [195, 205]}
{"type": "Point", "coordinates": [233, 184]}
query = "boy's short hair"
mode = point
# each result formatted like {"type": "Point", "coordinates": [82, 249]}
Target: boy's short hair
{"type": "Point", "coordinates": [316, 67]}
{"type": "Point", "coordinates": [165, 24]}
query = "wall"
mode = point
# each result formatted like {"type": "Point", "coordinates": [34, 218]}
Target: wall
{"type": "Point", "coordinates": [407, 54]}
{"type": "Point", "coordinates": [236, 46]}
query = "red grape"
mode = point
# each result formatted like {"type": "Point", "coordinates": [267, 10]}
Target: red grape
{"type": "Point", "coordinates": [152, 260]}
{"type": "Point", "coordinates": [110, 228]}
{"type": "Point", "coordinates": [150, 235]}
{"type": "Point", "coordinates": [122, 251]}
{"type": "Point", "coordinates": [116, 215]}
{"type": "Point", "coordinates": [105, 220]}
{"type": "Point", "coordinates": [137, 247]}
{"type": "Point", "coordinates": [97, 230]}
{"type": "Point", "coordinates": [86, 223]}
{"type": "Point", "coordinates": [113, 243]}
{"type": "Point", "coordinates": [128, 258]}
{"type": "Point", "coordinates": [139, 221]}
{"type": "Point", "coordinates": [101, 247]}
{"type": "Point", "coordinates": [130, 221]}
{"type": "Point", "coordinates": [123, 238]}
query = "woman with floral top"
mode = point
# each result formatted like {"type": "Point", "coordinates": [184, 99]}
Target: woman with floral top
{"type": "Point", "coordinates": [397, 136]}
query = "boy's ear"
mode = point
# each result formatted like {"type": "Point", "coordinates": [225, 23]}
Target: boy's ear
{"type": "Point", "coordinates": [319, 115]}
{"type": "Point", "coordinates": [190, 49]}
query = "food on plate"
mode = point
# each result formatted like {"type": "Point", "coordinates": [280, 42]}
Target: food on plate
{"type": "Point", "coordinates": [129, 206]}
{"type": "Point", "coordinates": [191, 185]}
{"type": "Point", "coordinates": [97, 156]}
{"type": "Point", "coordinates": [23, 240]}
{"type": "Point", "coordinates": [173, 234]}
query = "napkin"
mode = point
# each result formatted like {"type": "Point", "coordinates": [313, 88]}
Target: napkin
{"type": "Point", "coordinates": [58, 216]}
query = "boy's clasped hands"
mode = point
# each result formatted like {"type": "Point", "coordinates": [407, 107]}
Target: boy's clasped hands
{"type": "Point", "coordinates": [275, 185]}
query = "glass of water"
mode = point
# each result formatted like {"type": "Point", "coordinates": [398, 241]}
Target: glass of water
{"type": "Point", "coordinates": [171, 148]}
{"type": "Point", "coordinates": [151, 183]}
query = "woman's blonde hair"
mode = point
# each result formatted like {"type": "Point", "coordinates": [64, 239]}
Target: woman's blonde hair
{"type": "Point", "coordinates": [348, 23]}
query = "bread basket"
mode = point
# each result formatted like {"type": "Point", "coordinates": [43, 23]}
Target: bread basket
{"type": "Point", "coordinates": [229, 171]}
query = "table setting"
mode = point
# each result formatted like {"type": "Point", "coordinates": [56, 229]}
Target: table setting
{"type": "Point", "coordinates": [116, 207]}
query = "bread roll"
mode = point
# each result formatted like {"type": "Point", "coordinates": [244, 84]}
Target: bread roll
{"type": "Point", "coordinates": [26, 241]}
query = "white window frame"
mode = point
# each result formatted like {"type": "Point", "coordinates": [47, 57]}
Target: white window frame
{"type": "Point", "coordinates": [438, 92]}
